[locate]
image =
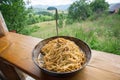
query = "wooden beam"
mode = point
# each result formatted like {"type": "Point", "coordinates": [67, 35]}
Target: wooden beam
{"type": "Point", "coordinates": [3, 27]}
{"type": "Point", "coordinates": [8, 71]}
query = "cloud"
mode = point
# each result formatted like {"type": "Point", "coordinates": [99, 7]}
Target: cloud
{"type": "Point", "coordinates": [61, 2]}
{"type": "Point", "coordinates": [113, 1]}
{"type": "Point", "coordinates": [51, 2]}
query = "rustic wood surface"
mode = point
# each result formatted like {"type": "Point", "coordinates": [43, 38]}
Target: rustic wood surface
{"type": "Point", "coordinates": [103, 66]}
{"type": "Point", "coordinates": [3, 45]}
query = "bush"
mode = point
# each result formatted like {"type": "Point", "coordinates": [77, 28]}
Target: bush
{"type": "Point", "coordinates": [96, 16]}
{"type": "Point", "coordinates": [79, 10]}
{"type": "Point", "coordinates": [99, 6]}
{"type": "Point", "coordinates": [119, 11]}
{"type": "Point", "coordinates": [14, 13]}
{"type": "Point", "coordinates": [29, 30]}
{"type": "Point", "coordinates": [69, 21]}
{"type": "Point", "coordinates": [60, 24]}
{"type": "Point", "coordinates": [61, 20]}
{"type": "Point", "coordinates": [33, 18]}
{"type": "Point", "coordinates": [45, 18]}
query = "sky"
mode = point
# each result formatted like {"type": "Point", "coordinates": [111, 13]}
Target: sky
{"type": "Point", "coordinates": [61, 2]}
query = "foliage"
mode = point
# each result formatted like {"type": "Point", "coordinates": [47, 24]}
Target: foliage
{"type": "Point", "coordinates": [103, 37]}
{"type": "Point", "coordinates": [62, 18]}
{"type": "Point", "coordinates": [96, 16]}
{"type": "Point", "coordinates": [28, 30]}
{"type": "Point", "coordinates": [79, 10]}
{"type": "Point", "coordinates": [33, 18]}
{"type": "Point", "coordinates": [46, 18]}
{"type": "Point", "coordinates": [99, 6]}
{"type": "Point", "coordinates": [44, 13]}
{"type": "Point", "coordinates": [36, 17]}
{"type": "Point", "coordinates": [69, 21]}
{"type": "Point", "coordinates": [119, 11]}
{"type": "Point", "coordinates": [82, 9]}
{"type": "Point", "coordinates": [14, 13]}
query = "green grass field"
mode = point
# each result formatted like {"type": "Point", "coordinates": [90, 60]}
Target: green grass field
{"type": "Point", "coordinates": [102, 34]}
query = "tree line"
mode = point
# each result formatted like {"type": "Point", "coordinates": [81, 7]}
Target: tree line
{"type": "Point", "coordinates": [17, 16]}
{"type": "Point", "coordinates": [82, 9]}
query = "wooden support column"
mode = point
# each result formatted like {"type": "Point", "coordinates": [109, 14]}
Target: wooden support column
{"type": "Point", "coordinates": [3, 27]}
{"type": "Point", "coordinates": [8, 71]}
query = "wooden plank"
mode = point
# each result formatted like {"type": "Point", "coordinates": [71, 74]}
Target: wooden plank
{"type": "Point", "coordinates": [3, 27]}
{"type": "Point", "coordinates": [90, 73]}
{"type": "Point", "coordinates": [105, 61]}
{"type": "Point", "coordinates": [20, 51]}
{"type": "Point", "coordinates": [4, 44]}
{"type": "Point", "coordinates": [19, 54]}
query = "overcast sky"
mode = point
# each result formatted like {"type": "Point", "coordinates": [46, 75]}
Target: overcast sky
{"type": "Point", "coordinates": [61, 2]}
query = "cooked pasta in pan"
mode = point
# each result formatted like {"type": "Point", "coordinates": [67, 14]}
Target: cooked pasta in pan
{"type": "Point", "coordinates": [61, 55]}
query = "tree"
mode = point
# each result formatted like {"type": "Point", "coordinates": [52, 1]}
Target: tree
{"type": "Point", "coordinates": [79, 10]}
{"type": "Point", "coordinates": [62, 18]}
{"type": "Point", "coordinates": [119, 11]}
{"type": "Point", "coordinates": [14, 13]}
{"type": "Point", "coordinates": [99, 6]}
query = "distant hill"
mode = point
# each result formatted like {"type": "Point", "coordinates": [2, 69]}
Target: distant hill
{"type": "Point", "coordinates": [114, 6]}
{"type": "Point", "coordinates": [60, 7]}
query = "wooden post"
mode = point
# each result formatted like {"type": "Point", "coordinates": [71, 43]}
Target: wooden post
{"type": "Point", "coordinates": [8, 71]}
{"type": "Point", "coordinates": [3, 27]}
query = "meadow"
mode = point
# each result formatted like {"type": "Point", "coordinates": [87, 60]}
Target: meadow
{"type": "Point", "coordinates": [101, 34]}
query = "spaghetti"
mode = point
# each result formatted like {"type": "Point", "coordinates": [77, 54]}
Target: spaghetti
{"type": "Point", "coordinates": [62, 55]}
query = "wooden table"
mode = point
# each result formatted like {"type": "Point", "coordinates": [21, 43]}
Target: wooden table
{"type": "Point", "coordinates": [18, 53]}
